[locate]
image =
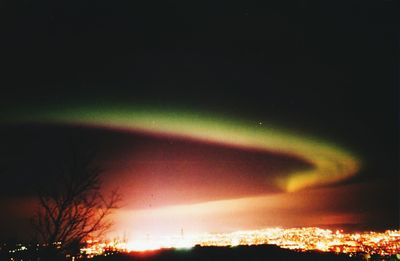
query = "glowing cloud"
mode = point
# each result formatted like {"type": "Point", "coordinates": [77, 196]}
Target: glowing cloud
{"type": "Point", "coordinates": [331, 163]}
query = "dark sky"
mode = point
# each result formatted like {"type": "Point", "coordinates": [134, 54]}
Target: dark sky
{"type": "Point", "coordinates": [323, 69]}
{"type": "Point", "coordinates": [316, 66]}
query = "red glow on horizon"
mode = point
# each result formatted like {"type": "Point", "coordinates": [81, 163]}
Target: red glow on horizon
{"type": "Point", "coordinates": [254, 212]}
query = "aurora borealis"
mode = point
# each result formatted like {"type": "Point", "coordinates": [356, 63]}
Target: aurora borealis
{"type": "Point", "coordinates": [330, 163]}
{"type": "Point", "coordinates": [174, 173]}
{"type": "Point", "coordinates": [208, 117]}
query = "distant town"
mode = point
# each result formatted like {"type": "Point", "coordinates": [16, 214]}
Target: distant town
{"type": "Point", "coordinates": [365, 245]}
{"type": "Point", "coordinates": [305, 239]}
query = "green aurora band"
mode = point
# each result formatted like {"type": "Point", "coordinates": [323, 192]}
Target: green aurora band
{"type": "Point", "coordinates": [330, 163]}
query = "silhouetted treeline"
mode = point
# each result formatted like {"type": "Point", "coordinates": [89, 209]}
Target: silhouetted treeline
{"type": "Point", "coordinates": [251, 253]}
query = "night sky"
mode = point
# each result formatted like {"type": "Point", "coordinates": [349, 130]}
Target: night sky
{"type": "Point", "coordinates": [203, 113]}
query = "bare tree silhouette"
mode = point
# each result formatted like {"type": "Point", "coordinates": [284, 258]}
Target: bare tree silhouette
{"type": "Point", "coordinates": [74, 208]}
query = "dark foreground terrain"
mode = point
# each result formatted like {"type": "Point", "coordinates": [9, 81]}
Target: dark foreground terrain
{"type": "Point", "coordinates": [252, 253]}
{"type": "Point", "coordinates": [228, 253]}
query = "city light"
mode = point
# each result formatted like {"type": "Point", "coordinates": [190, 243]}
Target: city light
{"type": "Point", "coordinates": [299, 239]}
